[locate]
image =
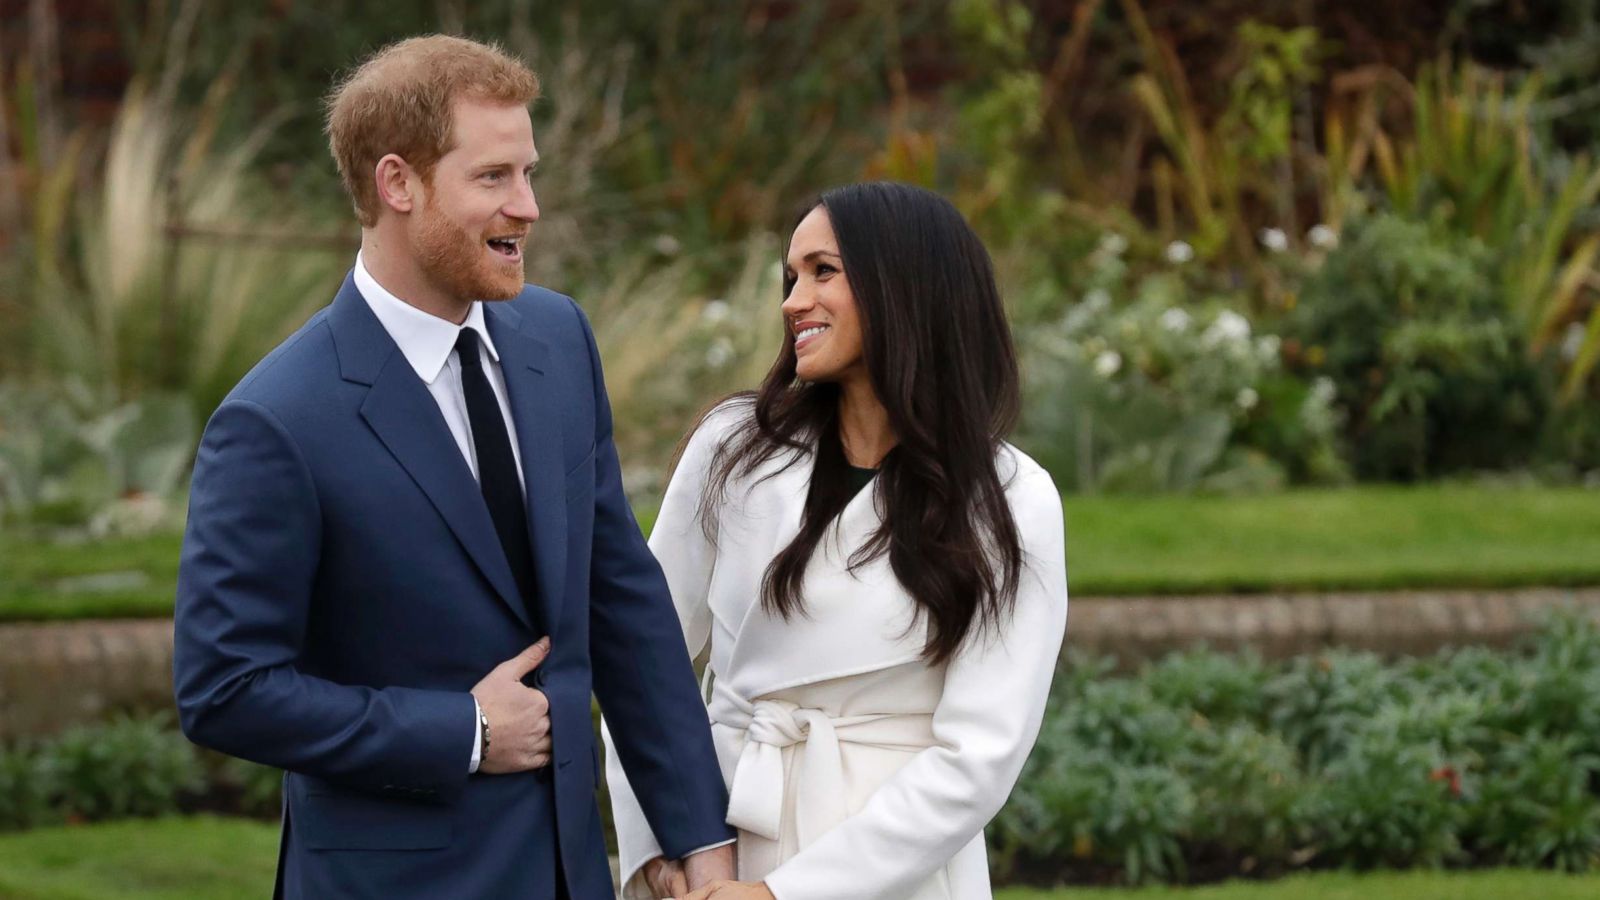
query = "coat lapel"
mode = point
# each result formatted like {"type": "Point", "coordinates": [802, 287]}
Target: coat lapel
{"type": "Point", "coordinates": [406, 419]}
{"type": "Point", "coordinates": [536, 413]}
{"type": "Point", "coordinates": [854, 622]}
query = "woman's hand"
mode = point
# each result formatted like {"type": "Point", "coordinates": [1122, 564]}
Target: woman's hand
{"type": "Point", "coordinates": [733, 890]}
{"type": "Point", "coordinates": [665, 878]}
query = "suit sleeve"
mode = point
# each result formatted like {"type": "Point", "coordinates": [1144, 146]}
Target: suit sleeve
{"type": "Point", "coordinates": [643, 678]}
{"type": "Point", "coordinates": [984, 727]}
{"type": "Point", "coordinates": [687, 557]}
{"type": "Point", "coordinates": [245, 585]}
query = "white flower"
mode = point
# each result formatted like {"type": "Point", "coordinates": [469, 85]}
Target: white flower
{"type": "Point", "coordinates": [1323, 390]}
{"type": "Point", "coordinates": [1247, 399]}
{"type": "Point", "coordinates": [716, 311]}
{"type": "Point", "coordinates": [1179, 252]}
{"type": "Point", "coordinates": [1572, 341]}
{"type": "Point", "coordinates": [720, 353]}
{"type": "Point", "coordinates": [1267, 347]}
{"type": "Point", "coordinates": [1229, 327]}
{"type": "Point", "coordinates": [1175, 319]}
{"type": "Point", "coordinates": [1322, 237]}
{"type": "Point", "coordinates": [667, 245]}
{"type": "Point", "coordinates": [1107, 363]}
{"type": "Point", "coordinates": [1113, 244]}
{"type": "Point", "coordinates": [1274, 239]}
{"type": "Point", "coordinates": [1098, 299]}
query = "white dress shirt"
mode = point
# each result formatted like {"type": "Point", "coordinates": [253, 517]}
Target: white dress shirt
{"type": "Point", "coordinates": [429, 345]}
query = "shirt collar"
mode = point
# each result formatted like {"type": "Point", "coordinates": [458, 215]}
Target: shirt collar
{"type": "Point", "coordinates": [425, 340]}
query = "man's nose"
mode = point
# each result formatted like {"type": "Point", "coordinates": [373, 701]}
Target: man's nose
{"type": "Point", "coordinates": [524, 205]}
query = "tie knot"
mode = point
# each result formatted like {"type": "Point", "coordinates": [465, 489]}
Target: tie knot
{"type": "Point", "coordinates": [467, 347]}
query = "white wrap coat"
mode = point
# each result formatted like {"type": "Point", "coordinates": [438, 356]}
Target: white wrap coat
{"type": "Point", "coordinates": [855, 769]}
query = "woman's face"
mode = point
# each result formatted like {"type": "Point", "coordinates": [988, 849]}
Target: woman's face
{"type": "Point", "coordinates": [820, 310]}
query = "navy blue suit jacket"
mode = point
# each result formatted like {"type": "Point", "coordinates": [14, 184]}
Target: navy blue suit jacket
{"type": "Point", "coordinates": [342, 589]}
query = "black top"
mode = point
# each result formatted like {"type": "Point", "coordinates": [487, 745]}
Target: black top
{"type": "Point", "coordinates": [859, 478]}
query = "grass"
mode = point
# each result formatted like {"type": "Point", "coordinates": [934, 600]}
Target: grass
{"type": "Point", "coordinates": [1375, 538]}
{"type": "Point", "coordinates": [216, 859]}
{"type": "Point", "coordinates": [163, 859]}
{"type": "Point", "coordinates": [1494, 884]}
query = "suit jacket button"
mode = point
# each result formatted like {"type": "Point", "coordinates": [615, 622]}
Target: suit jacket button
{"type": "Point", "coordinates": [538, 678]}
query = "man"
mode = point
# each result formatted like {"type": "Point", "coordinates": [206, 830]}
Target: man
{"type": "Point", "coordinates": [409, 559]}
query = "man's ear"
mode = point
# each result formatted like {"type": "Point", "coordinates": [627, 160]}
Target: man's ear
{"type": "Point", "coordinates": [399, 188]}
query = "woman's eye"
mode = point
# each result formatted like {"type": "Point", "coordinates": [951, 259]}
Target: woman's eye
{"type": "Point", "coordinates": [825, 269]}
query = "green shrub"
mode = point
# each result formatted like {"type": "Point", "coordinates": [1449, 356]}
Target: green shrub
{"type": "Point", "coordinates": [1433, 374]}
{"type": "Point", "coordinates": [128, 767]}
{"type": "Point", "coordinates": [1554, 692]}
{"type": "Point", "coordinates": [26, 785]}
{"type": "Point", "coordinates": [1122, 718]}
{"type": "Point", "coordinates": [1535, 806]}
{"type": "Point", "coordinates": [1248, 792]}
{"type": "Point", "coordinates": [1088, 805]}
{"type": "Point", "coordinates": [1157, 385]}
{"type": "Point", "coordinates": [1220, 687]}
{"type": "Point", "coordinates": [260, 788]}
{"type": "Point", "coordinates": [1320, 702]}
{"type": "Point", "coordinates": [1387, 802]}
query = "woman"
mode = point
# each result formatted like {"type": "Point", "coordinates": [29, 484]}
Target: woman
{"type": "Point", "coordinates": [880, 578]}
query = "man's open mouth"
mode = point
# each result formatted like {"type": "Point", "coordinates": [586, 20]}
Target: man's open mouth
{"type": "Point", "coordinates": [510, 248]}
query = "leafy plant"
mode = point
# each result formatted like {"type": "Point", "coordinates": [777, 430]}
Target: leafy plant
{"type": "Point", "coordinates": [26, 786]}
{"type": "Point", "coordinates": [1434, 377]}
{"type": "Point", "coordinates": [1536, 807]}
{"type": "Point", "coordinates": [1387, 802]}
{"type": "Point", "coordinates": [1319, 704]}
{"type": "Point", "coordinates": [1222, 688]}
{"type": "Point", "coordinates": [128, 767]}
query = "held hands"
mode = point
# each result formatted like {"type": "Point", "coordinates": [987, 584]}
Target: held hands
{"type": "Point", "coordinates": [665, 878]}
{"type": "Point", "coordinates": [733, 890]}
{"type": "Point", "coordinates": [675, 878]}
{"type": "Point", "coordinates": [519, 716]}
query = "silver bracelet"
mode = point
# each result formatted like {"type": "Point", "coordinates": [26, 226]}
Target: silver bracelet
{"type": "Point", "coordinates": [483, 729]}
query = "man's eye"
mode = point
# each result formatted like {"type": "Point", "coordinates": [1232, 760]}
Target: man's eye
{"type": "Point", "coordinates": [492, 176]}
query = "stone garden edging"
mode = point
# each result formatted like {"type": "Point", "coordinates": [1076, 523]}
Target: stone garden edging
{"type": "Point", "coordinates": [54, 675]}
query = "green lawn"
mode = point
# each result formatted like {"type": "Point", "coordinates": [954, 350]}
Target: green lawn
{"type": "Point", "coordinates": [205, 858]}
{"type": "Point", "coordinates": [1378, 538]}
{"type": "Point", "coordinates": [168, 859]}
{"type": "Point", "coordinates": [1499, 884]}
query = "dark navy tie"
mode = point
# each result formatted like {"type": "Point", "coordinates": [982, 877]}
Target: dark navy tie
{"type": "Point", "coordinates": [497, 470]}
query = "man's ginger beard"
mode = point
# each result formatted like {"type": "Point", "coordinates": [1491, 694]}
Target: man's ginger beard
{"type": "Point", "coordinates": [457, 263]}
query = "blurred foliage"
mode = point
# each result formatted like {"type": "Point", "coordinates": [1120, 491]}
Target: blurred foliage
{"type": "Point", "coordinates": [1236, 155]}
{"type": "Point", "coordinates": [1333, 760]}
{"type": "Point", "coordinates": [1406, 320]}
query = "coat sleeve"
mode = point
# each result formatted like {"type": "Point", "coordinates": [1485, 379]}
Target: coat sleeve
{"type": "Point", "coordinates": [245, 583]}
{"type": "Point", "coordinates": [687, 558]}
{"type": "Point", "coordinates": [984, 727]}
{"type": "Point", "coordinates": [656, 723]}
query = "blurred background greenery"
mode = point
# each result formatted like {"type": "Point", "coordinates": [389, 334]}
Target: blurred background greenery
{"type": "Point", "coordinates": [1273, 244]}
{"type": "Point", "coordinates": [1319, 282]}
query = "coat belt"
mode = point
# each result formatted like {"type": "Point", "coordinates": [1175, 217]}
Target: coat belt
{"type": "Point", "coordinates": [756, 796]}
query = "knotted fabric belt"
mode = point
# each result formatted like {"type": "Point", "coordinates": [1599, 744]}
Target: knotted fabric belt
{"type": "Point", "coordinates": [756, 797]}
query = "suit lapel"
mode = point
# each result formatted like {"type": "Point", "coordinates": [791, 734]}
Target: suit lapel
{"type": "Point", "coordinates": [406, 419]}
{"type": "Point", "coordinates": [536, 413]}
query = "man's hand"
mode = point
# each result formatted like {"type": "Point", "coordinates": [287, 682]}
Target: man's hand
{"type": "Point", "coordinates": [664, 877]}
{"type": "Point", "coordinates": [733, 890]}
{"type": "Point", "coordinates": [519, 716]}
{"type": "Point", "coordinates": [707, 866]}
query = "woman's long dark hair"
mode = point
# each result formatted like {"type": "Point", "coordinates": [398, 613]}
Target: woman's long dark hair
{"type": "Point", "coordinates": [939, 353]}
